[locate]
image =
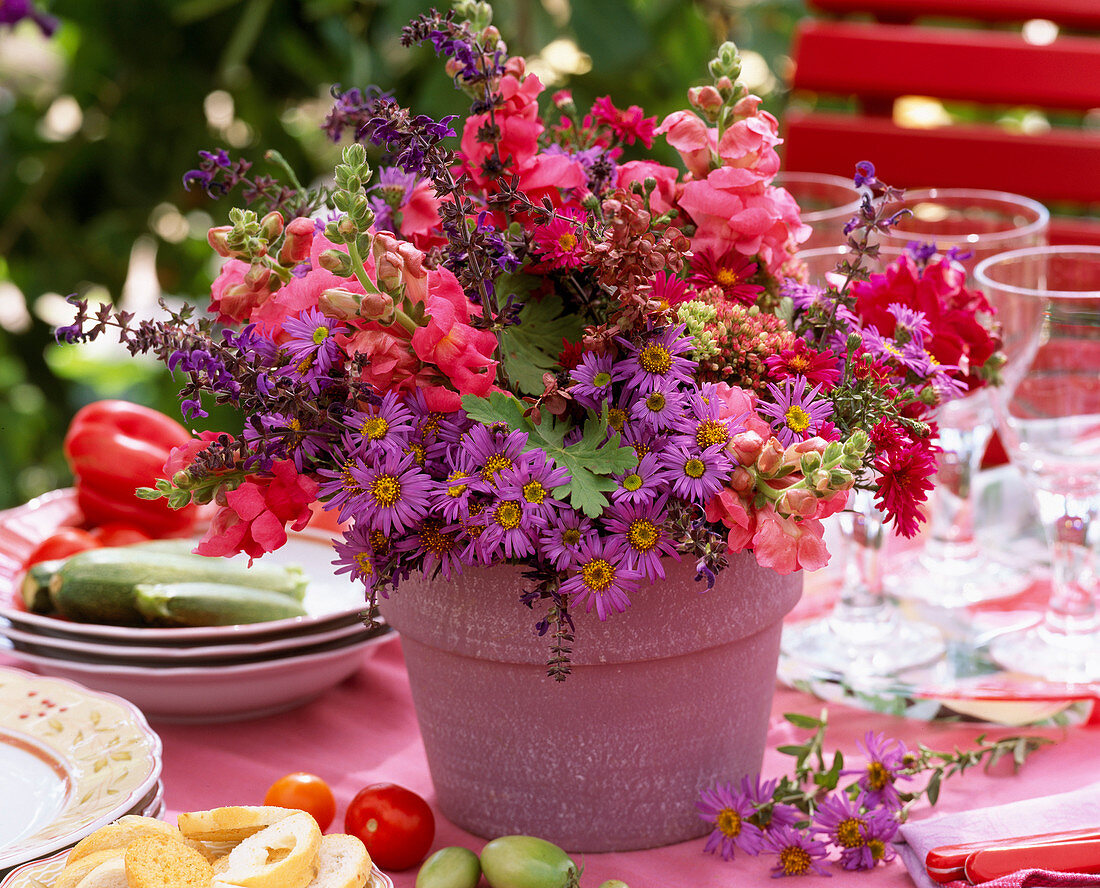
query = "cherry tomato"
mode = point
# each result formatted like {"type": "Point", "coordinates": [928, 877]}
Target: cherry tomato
{"type": "Point", "coordinates": [395, 824]}
{"type": "Point", "coordinates": [119, 534]}
{"type": "Point", "coordinates": [305, 792]}
{"type": "Point", "coordinates": [65, 541]}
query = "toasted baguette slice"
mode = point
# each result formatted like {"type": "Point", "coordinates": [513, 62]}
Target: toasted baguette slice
{"type": "Point", "coordinates": [231, 824]}
{"type": "Point", "coordinates": [109, 874]}
{"type": "Point", "coordinates": [75, 870]}
{"type": "Point", "coordinates": [342, 862]}
{"type": "Point", "coordinates": [121, 833]}
{"type": "Point", "coordinates": [161, 862]}
{"type": "Point", "coordinates": [284, 855]}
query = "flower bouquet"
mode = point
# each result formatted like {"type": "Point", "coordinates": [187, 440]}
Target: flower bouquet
{"type": "Point", "coordinates": [539, 347]}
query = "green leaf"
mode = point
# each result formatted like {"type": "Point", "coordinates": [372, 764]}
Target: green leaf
{"type": "Point", "coordinates": [933, 788]}
{"type": "Point", "coordinates": [802, 721]}
{"type": "Point", "coordinates": [791, 750]}
{"type": "Point", "coordinates": [531, 347]}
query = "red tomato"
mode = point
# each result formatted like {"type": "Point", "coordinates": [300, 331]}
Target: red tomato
{"type": "Point", "coordinates": [305, 792]}
{"type": "Point", "coordinates": [395, 824]}
{"type": "Point", "coordinates": [118, 534]}
{"type": "Point", "coordinates": [65, 541]}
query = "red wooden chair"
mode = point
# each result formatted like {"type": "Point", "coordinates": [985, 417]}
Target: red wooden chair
{"type": "Point", "coordinates": [979, 60]}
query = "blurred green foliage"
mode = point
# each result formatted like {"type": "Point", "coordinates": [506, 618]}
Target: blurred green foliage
{"type": "Point", "coordinates": [98, 124]}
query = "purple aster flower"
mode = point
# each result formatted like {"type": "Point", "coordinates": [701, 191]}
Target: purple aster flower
{"type": "Point", "coordinates": [660, 409]}
{"type": "Point", "coordinates": [768, 814]}
{"type": "Point", "coordinates": [796, 414]}
{"type": "Point", "coordinates": [452, 496]}
{"type": "Point", "coordinates": [385, 426]}
{"type": "Point", "coordinates": [532, 482]}
{"type": "Point", "coordinates": [659, 361]}
{"type": "Point", "coordinates": [395, 492]}
{"type": "Point", "coordinates": [648, 480]}
{"type": "Point", "coordinates": [562, 537]}
{"type": "Point", "coordinates": [877, 833]}
{"type": "Point", "coordinates": [943, 380]}
{"type": "Point", "coordinates": [886, 763]}
{"type": "Point", "coordinates": [643, 440]}
{"type": "Point", "coordinates": [285, 432]}
{"type": "Point", "coordinates": [805, 296]}
{"type": "Point", "coordinates": [311, 337]}
{"type": "Point", "coordinates": [696, 475]}
{"type": "Point", "coordinates": [729, 811]}
{"type": "Point", "coordinates": [602, 578]}
{"type": "Point", "coordinates": [703, 425]}
{"type": "Point", "coordinates": [436, 543]}
{"type": "Point", "coordinates": [434, 424]}
{"type": "Point", "coordinates": [640, 527]}
{"type": "Point", "coordinates": [339, 489]}
{"type": "Point", "coordinates": [353, 552]}
{"type": "Point", "coordinates": [493, 451]}
{"type": "Point", "coordinates": [508, 527]}
{"type": "Point", "coordinates": [592, 379]}
{"type": "Point", "coordinates": [798, 854]}
{"type": "Point", "coordinates": [841, 820]}
{"type": "Point", "coordinates": [910, 325]}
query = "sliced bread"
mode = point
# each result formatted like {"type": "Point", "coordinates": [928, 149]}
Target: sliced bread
{"type": "Point", "coordinates": [230, 824]}
{"type": "Point", "coordinates": [342, 862]}
{"type": "Point", "coordinates": [162, 862]}
{"type": "Point", "coordinates": [119, 834]}
{"type": "Point", "coordinates": [109, 874]}
{"type": "Point", "coordinates": [284, 855]}
{"type": "Point", "coordinates": [75, 870]}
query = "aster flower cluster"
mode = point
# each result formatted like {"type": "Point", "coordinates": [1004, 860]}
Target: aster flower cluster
{"type": "Point", "coordinates": [807, 820]}
{"type": "Point", "coordinates": [536, 346]}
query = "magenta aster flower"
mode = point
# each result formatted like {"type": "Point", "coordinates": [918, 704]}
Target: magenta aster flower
{"type": "Point", "coordinates": [561, 242]}
{"type": "Point", "coordinates": [532, 482]}
{"type": "Point", "coordinates": [507, 527]}
{"type": "Point", "coordinates": [659, 362]}
{"type": "Point", "coordinates": [768, 814]}
{"type": "Point", "coordinates": [800, 360]}
{"type": "Point", "coordinates": [353, 551]}
{"type": "Point", "coordinates": [640, 527]}
{"type": "Point", "coordinates": [730, 274]}
{"type": "Point", "coordinates": [602, 579]}
{"type": "Point", "coordinates": [703, 425]}
{"type": "Point", "coordinates": [796, 414]}
{"type": "Point", "coordinates": [696, 475]}
{"type": "Point", "coordinates": [645, 483]}
{"type": "Point", "coordinates": [805, 296]}
{"type": "Point", "coordinates": [394, 492]}
{"type": "Point", "coordinates": [592, 380]}
{"type": "Point", "coordinates": [562, 536]}
{"type": "Point", "coordinates": [669, 290]}
{"type": "Point", "coordinates": [386, 425]}
{"type": "Point", "coordinates": [493, 451]}
{"type": "Point", "coordinates": [437, 543]}
{"type": "Point", "coordinates": [885, 766]}
{"type": "Point", "coordinates": [798, 854]}
{"type": "Point", "coordinates": [729, 811]}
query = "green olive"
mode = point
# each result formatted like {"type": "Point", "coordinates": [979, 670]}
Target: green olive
{"type": "Point", "coordinates": [525, 862]}
{"type": "Point", "coordinates": [450, 868]}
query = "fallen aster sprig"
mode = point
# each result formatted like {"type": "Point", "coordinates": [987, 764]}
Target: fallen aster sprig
{"type": "Point", "coordinates": [811, 813]}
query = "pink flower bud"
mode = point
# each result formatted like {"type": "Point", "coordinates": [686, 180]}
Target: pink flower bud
{"type": "Point", "coordinates": [339, 304]}
{"type": "Point", "coordinates": [746, 447]}
{"type": "Point", "coordinates": [271, 225]}
{"type": "Point", "coordinates": [771, 457]}
{"type": "Point", "coordinates": [705, 98]}
{"type": "Point", "coordinates": [798, 502]}
{"type": "Point", "coordinates": [217, 237]}
{"type": "Point", "coordinates": [742, 481]}
{"type": "Point", "coordinates": [724, 85]}
{"type": "Point", "coordinates": [516, 67]}
{"type": "Point", "coordinates": [336, 261]}
{"type": "Point", "coordinates": [377, 307]}
{"type": "Point", "coordinates": [296, 244]}
{"type": "Point", "coordinates": [562, 98]}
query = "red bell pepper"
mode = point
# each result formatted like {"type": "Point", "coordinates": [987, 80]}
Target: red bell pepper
{"type": "Point", "coordinates": [113, 448]}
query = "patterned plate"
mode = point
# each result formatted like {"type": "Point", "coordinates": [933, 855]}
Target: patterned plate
{"type": "Point", "coordinates": [71, 760]}
{"type": "Point", "coordinates": [42, 873]}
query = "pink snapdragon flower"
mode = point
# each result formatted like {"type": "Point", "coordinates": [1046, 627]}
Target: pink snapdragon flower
{"type": "Point", "coordinates": [788, 544]}
{"type": "Point", "coordinates": [664, 195]}
{"type": "Point", "coordinates": [255, 515]}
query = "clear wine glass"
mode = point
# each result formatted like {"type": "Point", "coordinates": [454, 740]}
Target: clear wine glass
{"type": "Point", "coordinates": [1048, 414]}
{"type": "Point", "coordinates": [826, 204]}
{"type": "Point", "coordinates": [952, 569]}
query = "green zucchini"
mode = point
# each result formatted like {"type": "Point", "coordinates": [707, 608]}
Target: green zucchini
{"type": "Point", "coordinates": [97, 586]}
{"type": "Point", "coordinates": [211, 604]}
{"type": "Point", "coordinates": [36, 586]}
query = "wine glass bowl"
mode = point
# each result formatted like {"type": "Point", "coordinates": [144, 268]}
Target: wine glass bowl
{"type": "Point", "coordinates": [826, 203]}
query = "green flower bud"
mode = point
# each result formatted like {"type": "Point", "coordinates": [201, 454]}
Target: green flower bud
{"type": "Point", "coordinates": [336, 261]}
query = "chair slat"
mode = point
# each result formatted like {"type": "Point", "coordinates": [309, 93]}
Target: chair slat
{"type": "Point", "coordinates": [886, 61]}
{"type": "Point", "coordinates": [1060, 165]}
{"type": "Point", "coordinates": [1083, 14]}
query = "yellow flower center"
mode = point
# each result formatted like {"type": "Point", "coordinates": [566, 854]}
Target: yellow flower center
{"type": "Point", "coordinates": [877, 775]}
{"type": "Point", "coordinates": [729, 823]}
{"type": "Point", "coordinates": [643, 534]}
{"type": "Point", "coordinates": [795, 860]}
{"type": "Point", "coordinates": [877, 848]}
{"type": "Point", "coordinates": [655, 358]}
{"type": "Point", "coordinates": [567, 241]}
{"type": "Point", "coordinates": [375, 428]}
{"type": "Point", "coordinates": [420, 455]}
{"type": "Point", "coordinates": [726, 277]}
{"type": "Point", "coordinates": [379, 542]}
{"type": "Point", "coordinates": [430, 427]}
{"type": "Point", "coordinates": [616, 418]}
{"type": "Point", "coordinates": [496, 463]}
{"type": "Point", "coordinates": [362, 562]}
{"type": "Point", "coordinates": [797, 419]}
{"type": "Point", "coordinates": [656, 402]}
{"type": "Point", "coordinates": [799, 364]}
{"type": "Point", "coordinates": [632, 482]}
{"type": "Point", "coordinates": [890, 348]}
{"type": "Point", "coordinates": [694, 468]}
{"type": "Point", "coordinates": [320, 335]}
{"type": "Point", "coordinates": [601, 379]}
{"type": "Point", "coordinates": [508, 515]}
{"type": "Point", "coordinates": [349, 480]}
{"type": "Point", "coordinates": [534, 492]}
{"type": "Point", "coordinates": [433, 541]}
{"type": "Point", "coordinates": [847, 832]}
{"type": "Point", "coordinates": [386, 490]}
{"type": "Point", "coordinates": [571, 537]}
{"type": "Point", "coordinates": [710, 432]}
{"type": "Point", "coordinates": [598, 574]}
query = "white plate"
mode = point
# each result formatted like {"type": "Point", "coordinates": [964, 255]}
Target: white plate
{"type": "Point", "coordinates": [330, 600]}
{"type": "Point", "coordinates": [71, 760]}
{"type": "Point", "coordinates": [163, 655]}
{"type": "Point", "coordinates": [218, 693]}
{"type": "Point", "coordinates": [42, 873]}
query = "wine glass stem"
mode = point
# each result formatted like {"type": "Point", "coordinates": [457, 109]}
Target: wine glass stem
{"type": "Point", "coordinates": [1072, 612]}
{"type": "Point", "coordinates": [861, 606]}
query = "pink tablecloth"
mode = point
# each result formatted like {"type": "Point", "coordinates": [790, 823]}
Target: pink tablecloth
{"type": "Point", "coordinates": [364, 731]}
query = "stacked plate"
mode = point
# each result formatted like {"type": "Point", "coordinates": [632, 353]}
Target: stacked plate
{"type": "Point", "coordinates": [204, 674]}
{"type": "Point", "coordinates": [71, 761]}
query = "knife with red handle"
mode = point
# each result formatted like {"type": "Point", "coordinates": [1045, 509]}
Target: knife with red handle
{"type": "Point", "coordinates": [946, 863]}
{"type": "Point", "coordinates": [1064, 857]}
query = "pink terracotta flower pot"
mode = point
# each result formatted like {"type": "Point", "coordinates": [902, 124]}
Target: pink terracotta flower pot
{"type": "Point", "coordinates": [663, 700]}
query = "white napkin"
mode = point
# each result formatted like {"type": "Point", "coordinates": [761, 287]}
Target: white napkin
{"type": "Point", "coordinates": [1067, 810]}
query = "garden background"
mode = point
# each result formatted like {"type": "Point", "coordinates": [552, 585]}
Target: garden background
{"type": "Point", "coordinates": [99, 122]}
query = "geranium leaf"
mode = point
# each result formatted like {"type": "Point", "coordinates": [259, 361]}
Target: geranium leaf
{"type": "Point", "coordinates": [531, 347]}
